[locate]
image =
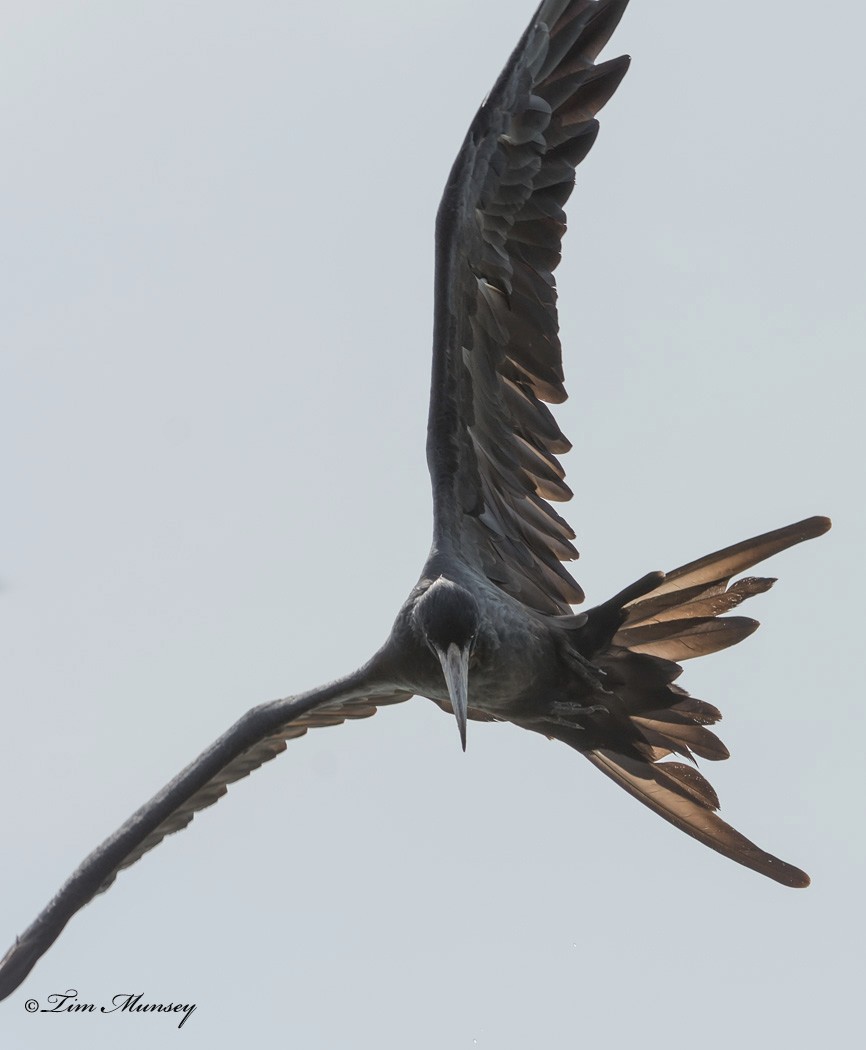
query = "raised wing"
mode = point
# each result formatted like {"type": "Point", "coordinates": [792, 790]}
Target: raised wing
{"type": "Point", "coordinates": [492, 442]}
{"type": "Point", "coordinates": [255, 739]}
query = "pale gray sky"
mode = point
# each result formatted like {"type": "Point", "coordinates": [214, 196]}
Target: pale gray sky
{"type": "Point", "coordinates": [215, 326]}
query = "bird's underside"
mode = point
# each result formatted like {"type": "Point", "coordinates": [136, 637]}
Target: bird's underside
{"type": "Point", "coordinates": [488, 632]}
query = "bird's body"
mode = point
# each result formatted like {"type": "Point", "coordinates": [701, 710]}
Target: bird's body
{"type": "Point", "coordinates": [488, 631]}
{"type": "Point", "coordinates": [518, 657]}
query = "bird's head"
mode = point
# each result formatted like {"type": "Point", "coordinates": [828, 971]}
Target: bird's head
{"type": "Point", "coordinates": [447, 618]}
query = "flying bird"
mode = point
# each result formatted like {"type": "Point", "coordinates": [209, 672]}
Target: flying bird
{"type": "Point", "coordinates": [488, 631]}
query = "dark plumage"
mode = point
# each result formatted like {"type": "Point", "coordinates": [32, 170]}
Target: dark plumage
{"type": "Point", "coordinates": [488, 630]}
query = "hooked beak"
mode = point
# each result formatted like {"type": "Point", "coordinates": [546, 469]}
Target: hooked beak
{"type": "Point", "coordinates": [455, 667]}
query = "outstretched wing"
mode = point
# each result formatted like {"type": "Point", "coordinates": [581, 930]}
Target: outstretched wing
{"type": "Point", "coordinates": [255, 739]}
{"type": "Point", "coordinates": [492, 442]}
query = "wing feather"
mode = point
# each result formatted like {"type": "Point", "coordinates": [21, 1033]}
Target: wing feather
{"type": "Point", "coordinates": [259, 736]}
{"type": "Point", "coordinates": [493, 443]}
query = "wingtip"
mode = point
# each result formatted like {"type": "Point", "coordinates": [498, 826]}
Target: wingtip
{"type": "Point", "coordinates": [796, 878]}
{"type": "Point", "coordinates": [817, 525]}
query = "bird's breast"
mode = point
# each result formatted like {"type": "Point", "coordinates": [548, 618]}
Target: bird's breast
{"type": "Point", "coordinates": [516, 666]}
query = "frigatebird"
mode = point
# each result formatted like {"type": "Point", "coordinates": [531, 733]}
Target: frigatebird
{"type": "Point", "coordinates": [488, 632]}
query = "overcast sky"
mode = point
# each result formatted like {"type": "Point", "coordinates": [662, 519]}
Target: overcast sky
{"type": "Point", "coordinates": [215, 329]}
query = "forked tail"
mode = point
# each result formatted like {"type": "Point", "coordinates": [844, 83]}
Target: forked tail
{"type": "Point", "coordinates": [637, 640]}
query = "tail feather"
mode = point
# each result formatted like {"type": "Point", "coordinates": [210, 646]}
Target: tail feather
{"type": "Point", "coordinates": [677, 640]}
{"type": "Point", "coordinates": [721, 566]}
{"type": "Point", "coordinates": [650, 784]}
{"type": "Point", "coordinates": [662, 732]}
{"type": "Point", "coordinates": [702, 600]}
{"type": "Point", "coordinates": [679, 618]}
{"type": "Point", "coordinates": [636, 641]}
{"type": "Point", "coordinates": [699, 711]}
